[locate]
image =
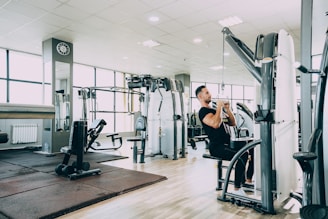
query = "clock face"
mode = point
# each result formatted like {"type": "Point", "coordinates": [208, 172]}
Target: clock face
{"type": "Point", "coordinates": [63, 48]}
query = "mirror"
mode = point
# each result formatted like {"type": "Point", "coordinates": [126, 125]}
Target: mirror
{"type": "Point", "coordinates": [62, 96]}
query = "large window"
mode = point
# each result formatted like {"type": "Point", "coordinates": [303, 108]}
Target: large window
{"type": "Point", "coordinates": [124, 121]}
{"type": "Point", "coordinates": [28, 93]}
{"type": "Point", "coordinates": [3, 76]}
{"type": "Point", "coordinates": [193, 87]}
{"type": "Point", "coordinates": [25, 78]}
{"type": "Point", "coordinates": [108, 94]}
{"type": "Point", "coordinates": [3, 64]}
{"type": "Point", "coordinates": [213, 89]}
{"type": "Point", "coordinates": [233, 93]}
{"type": "Point", "coordinates": [237, 92]}
{"type": "Point", "coordinates": [120, 79]}
{"type": "Point", "coordinates": [83, 76]}
{"type": "Point", "coordinates": [3, 92]}
{"type": "Point", "coordinates": [105, 78]}
{"type": "Point", "coordinates": [24, 66]}
{"type": "Point", "coordinates": [107, 98]}
{"type": "Point", "coordinates": [225, 91]}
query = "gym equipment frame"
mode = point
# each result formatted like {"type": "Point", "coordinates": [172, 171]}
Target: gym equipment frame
{"type": "Point", "coordinates": [313, 197]}
{"type": "Point", "coordinates": [265, 54]}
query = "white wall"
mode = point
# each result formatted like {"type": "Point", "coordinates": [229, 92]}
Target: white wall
{"type": "Point", "coordinates": [6, 126]}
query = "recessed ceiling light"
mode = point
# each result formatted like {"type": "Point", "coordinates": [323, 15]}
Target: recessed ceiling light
{"type": "Point", "coordinates": [230, 21]}
{"type": "Point", "coordinates": [198, 40]}
{"type": "Point", "coordinates": [226, 54]}
{"type": "Point", "coordinates": [216, 68]}
{"type": "Point", "coordinates": [150, 43]}
{"type": "Point", "coordinates": [158, 66]}
{"type": "Point", "coordinates": [153, 18]}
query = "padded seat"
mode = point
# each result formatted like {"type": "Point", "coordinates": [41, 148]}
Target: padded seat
{"type": "Point", "coordinates": [314, 212]}
{"type": "Point", "coordinates": [140, 127]}
{"type": "Point", "coordinates": [304, 159]}
{"type": "Point", "coordinates": [219, 172]}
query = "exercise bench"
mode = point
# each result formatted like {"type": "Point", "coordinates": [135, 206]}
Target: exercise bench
{"type": "Point", "coordinates": [77, 142]}
{"type": "Point", "coordinates": [94, 131]}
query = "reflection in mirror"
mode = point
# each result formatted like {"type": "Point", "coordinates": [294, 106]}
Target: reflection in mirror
{"type": "Point", "coordinates": [62, 96]}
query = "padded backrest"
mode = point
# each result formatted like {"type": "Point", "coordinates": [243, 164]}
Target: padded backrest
{"type": "Point", "coordinates": [78, 135]}
{"type": "Point", "coordinates": [141, 123]}
{"type": "Point", "coordinates": [96, 123]}
{"type": "Point", "coordinates": [96, 127]}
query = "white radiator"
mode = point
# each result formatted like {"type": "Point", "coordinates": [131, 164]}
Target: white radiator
{"type": "Point", "coordinates": [24, 133]}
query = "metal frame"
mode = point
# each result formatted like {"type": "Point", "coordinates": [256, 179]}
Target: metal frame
{"type": "Point", "coordinates": [265, 50]}
{"type": "Point", "coordinates": [152, 84]}
{"type": "Point", "coordinates": [314, 187]}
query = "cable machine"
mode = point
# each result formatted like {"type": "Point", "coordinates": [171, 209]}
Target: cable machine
{"type": "Point", "coordinates": [275, 58]}
{"type": "Point", "coordinates": [312, 162]}
{"type": "Point", "coordinates": [163, 107]}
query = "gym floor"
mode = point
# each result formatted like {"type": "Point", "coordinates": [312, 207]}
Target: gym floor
{"type": "Point", "coordinates": [189, 192]}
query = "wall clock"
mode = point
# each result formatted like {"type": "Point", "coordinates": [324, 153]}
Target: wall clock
{"type": "Point", "coordinates": [63, 48]}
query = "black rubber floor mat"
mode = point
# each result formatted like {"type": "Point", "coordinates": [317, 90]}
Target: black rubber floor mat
{"type": "Point", "coordinates": [31, 189]}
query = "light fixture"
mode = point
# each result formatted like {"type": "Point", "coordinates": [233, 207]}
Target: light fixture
{"type": "Point", "coordinates": [216, 68]}
{"type": "Point", "coordinates": [230, 21]}
{"type": "Point", "coordinates": [197, 40]}
{"type": "Point", "coordinates": [158, 66]}
{"type": "Point", "coordinates": [150, 43]}
{"type": "Point", "coordinates": [153, 18]}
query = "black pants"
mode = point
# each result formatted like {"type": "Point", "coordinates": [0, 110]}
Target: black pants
{"type": "Point", "coordinates": [226, 153]}
{"type": "Point", "coordinates": [250, 168]}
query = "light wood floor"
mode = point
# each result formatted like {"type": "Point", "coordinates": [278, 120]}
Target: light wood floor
{"type": "Point", "coordinates": [189, 192]}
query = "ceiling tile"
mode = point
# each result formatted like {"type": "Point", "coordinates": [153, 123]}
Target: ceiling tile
{"type": "Point", "coordinates": [131, 7]}
{"type": "Point", "coordinates": [24, 9]}
{"type": "Point", "coordinates": [46, 5]}
{"type": "Point", "coordinates": [115, 28]}
{"type": "Point", "coordinates": [56, 20]}
{"type": "Point", "coordinates": [92, 6]}
{"type": "Point", "coordinates": [192, 19]}
{"type": "Point", "coordinates": [70, 12]}
{"type": "Point", "coordinates": [176, 9]}
{"type": "Point", "coordinates": [171, 26]}
{"type": "Point", "coordinates": [157, 3]}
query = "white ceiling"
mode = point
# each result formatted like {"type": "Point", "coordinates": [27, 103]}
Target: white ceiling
{"type": "Point", "coordinates": [108, 33]}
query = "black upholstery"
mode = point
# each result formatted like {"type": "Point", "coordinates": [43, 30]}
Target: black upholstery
{"type": "Point", "coordinates": [140, 129]}
{"type": "Point", "coordinates": [3, 137]}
